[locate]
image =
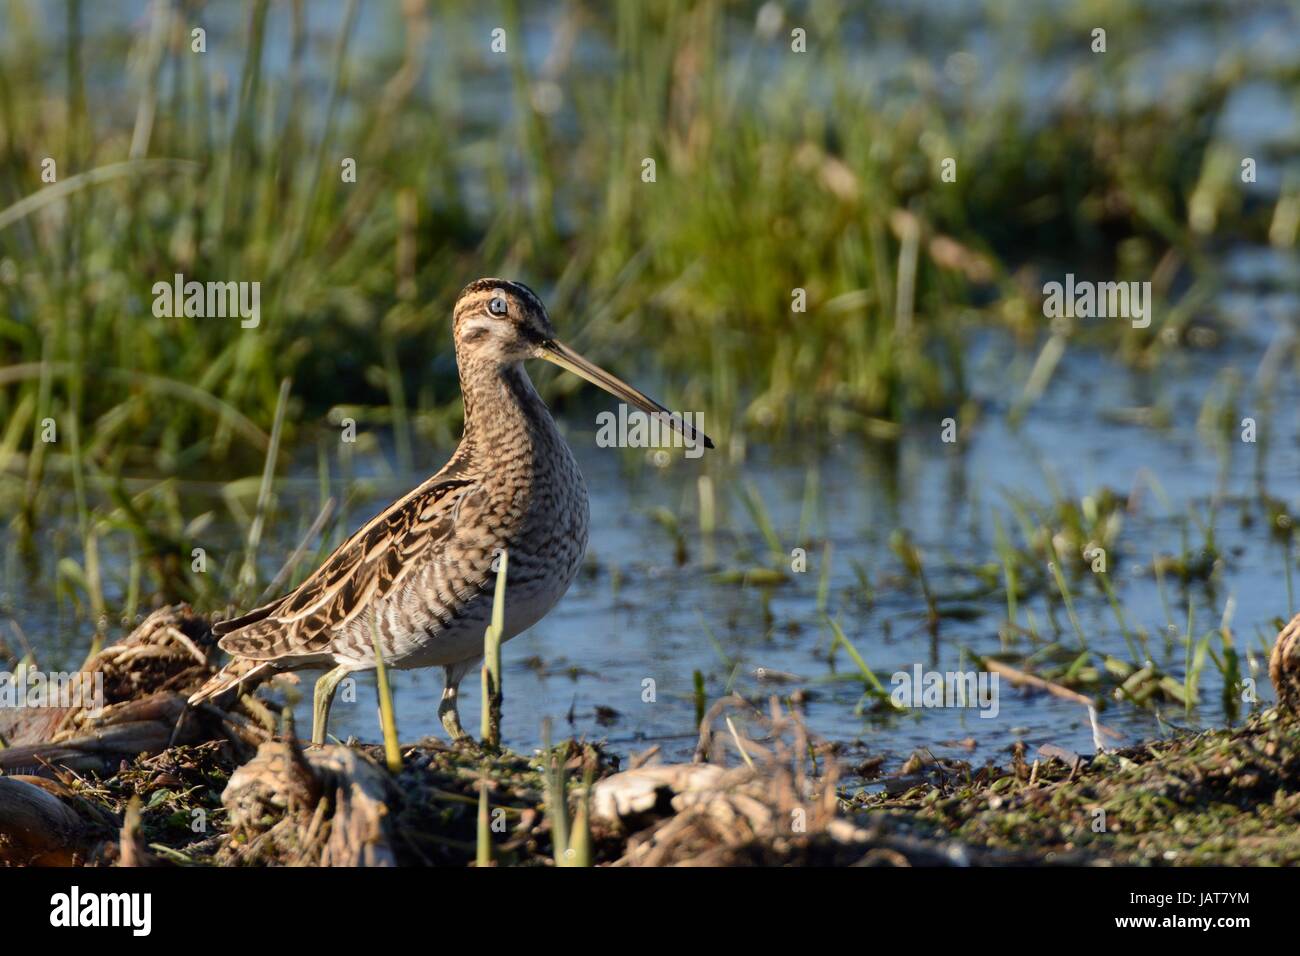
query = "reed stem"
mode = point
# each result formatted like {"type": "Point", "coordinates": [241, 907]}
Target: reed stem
{"type": "Point", "coordinates": [387, 717]}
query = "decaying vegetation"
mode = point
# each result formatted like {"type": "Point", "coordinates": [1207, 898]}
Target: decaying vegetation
{"type": "Point", "coordinates": [235, 787]}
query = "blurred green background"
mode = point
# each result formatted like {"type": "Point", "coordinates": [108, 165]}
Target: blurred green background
{"type": "Point", "coordinates": [775, 171]}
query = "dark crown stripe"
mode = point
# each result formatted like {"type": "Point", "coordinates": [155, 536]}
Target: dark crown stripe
{"type": "Point", "coordinates": [516, 288]}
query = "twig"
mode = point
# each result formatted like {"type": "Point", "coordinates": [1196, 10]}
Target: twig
{"type": "Point", "coordinates": [739, 746]}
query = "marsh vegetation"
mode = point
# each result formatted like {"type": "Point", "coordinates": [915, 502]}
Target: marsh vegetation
{"type": "Point", "coordinates": [837, 537]}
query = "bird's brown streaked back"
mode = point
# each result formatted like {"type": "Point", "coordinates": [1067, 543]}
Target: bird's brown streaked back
{"type": "Point", "coordinates": [365, 568]}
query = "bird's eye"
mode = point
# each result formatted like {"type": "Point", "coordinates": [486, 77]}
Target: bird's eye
{"type": "Point", "coordinates": [498, 305]}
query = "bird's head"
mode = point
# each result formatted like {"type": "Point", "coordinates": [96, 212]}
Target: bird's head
{"type": "Point", "coordinates": [500, 323]}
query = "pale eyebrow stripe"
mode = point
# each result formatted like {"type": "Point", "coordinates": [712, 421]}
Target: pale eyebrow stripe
{"type": "Point", "coordinates": [476, 303]}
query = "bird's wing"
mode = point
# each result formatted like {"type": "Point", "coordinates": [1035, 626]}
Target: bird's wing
{"type": "Point", "coordinates": [365, 568]}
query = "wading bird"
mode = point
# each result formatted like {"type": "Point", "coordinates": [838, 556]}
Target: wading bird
{"type": "Point", "coordinates": [421, 572]}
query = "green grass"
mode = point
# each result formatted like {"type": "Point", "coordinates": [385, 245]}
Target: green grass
{"type": "Point", "coordinates": [775, 171]}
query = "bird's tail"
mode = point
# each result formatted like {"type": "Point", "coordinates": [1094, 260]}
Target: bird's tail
{"type": "Point", "coordinates": [239, 671]}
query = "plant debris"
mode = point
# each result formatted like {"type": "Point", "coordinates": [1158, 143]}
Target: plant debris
{"type": "Point", "coordinates": [761, 791]}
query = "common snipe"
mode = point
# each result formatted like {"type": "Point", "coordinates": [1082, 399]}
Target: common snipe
{"type": "Point", "coordinates": [421, 571]}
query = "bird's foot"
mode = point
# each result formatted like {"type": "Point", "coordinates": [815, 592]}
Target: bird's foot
{"type": "Point", "coordinates": [450, 717]}
{"type": "Point", "coordinates": [451, 724]}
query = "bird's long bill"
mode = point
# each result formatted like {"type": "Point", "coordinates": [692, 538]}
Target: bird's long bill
{"type": "Point", "coordinates": [560, 354]}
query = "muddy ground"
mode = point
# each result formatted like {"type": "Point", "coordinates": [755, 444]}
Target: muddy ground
{"type": "Point", "coordinates": [236, 788]}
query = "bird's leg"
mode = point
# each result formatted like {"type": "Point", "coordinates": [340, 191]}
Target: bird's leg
{"type": "Point", "coordinates": [447, 712]}
{"type": "Point", "coordinates": [324, 697]}
{"type": "Point", "coordinates": [447, 706]}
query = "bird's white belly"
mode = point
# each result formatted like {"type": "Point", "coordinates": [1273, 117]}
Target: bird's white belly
{"type": "Point", "coordinates": [463, 640]}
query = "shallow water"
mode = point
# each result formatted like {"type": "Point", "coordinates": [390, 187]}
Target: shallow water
{"type": "Point", "coordinates": [638, 615]}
